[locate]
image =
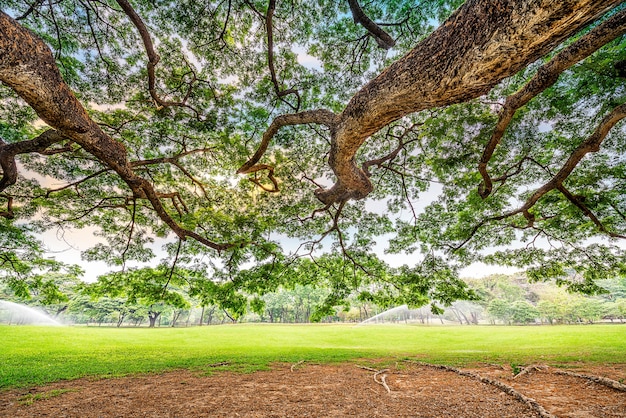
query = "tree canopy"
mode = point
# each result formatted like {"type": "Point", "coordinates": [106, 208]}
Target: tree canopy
{"type": "Point", "coordinates": [279, 140]}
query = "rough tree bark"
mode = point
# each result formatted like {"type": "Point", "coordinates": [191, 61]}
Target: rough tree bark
{"type": "Point", "coordinates": [479, 45]}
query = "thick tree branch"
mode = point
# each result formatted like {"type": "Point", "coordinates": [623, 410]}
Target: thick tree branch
{"type": "Point", "coordinates": [28, 67]}
{"type": "Point", "coordinates": [153, 58]}
{"type": "Point", "coordinates": [482, 43]}
{"type": "Point", "coordinates": [383, 39]}
{"type": "Point", "coordinates": [591, 144]}
{"type": "Point", "coordinates": [8, 214]}
{"type": "Point", "coordinates": [588, 213]}
{"type": "Point", "coordinates": [546, 76]}
{"type": "Point", "coordinates": [9, 151]}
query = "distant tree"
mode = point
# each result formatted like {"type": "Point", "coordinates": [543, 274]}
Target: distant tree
{"type": "Point", "coordinates": [500, 309]}
{"type": "Point", "coordinates": [28, 275]}
{"type": "Point", "coordinates": [154, 288]}
{"type": "Point", "coordinates": [523, 312]}
{"type": "Point", "coordinates": [550, 311]}
{"type": "Point", "coordinates": [586, 310]}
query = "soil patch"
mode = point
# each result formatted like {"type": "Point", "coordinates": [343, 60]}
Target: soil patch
{"type": "Point", "coordinates": [314, 390]}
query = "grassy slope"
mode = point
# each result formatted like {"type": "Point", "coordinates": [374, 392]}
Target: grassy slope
{"type": "Point", "coordinates": [35, 355]}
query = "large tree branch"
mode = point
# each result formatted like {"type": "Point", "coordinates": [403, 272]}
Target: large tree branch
{"type": "Point", "coordinates": [591, 144]}
{"type": "Point", "coordinates": [588, 213]}
{"type": "Point", "coordinates": [28, 67]}
{"type": "Point", "coordinates": [9, 151]}
{"type": "Point", "coordinates": [479, 45]}
{"type": "Point", "coordinates": [546, 76]}
{"type": "Point", "coordinates": [8, 214]}
{"type": "Point", "coordinates": [383, 39]}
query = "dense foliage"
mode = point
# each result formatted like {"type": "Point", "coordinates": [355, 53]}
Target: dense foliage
{"type": "Point", "coordinates": [194, 114]}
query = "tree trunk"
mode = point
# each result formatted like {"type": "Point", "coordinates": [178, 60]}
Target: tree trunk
{"type": "Point", "coordinates": [209, 319]}
{"type": "Point", "coordinates": [201, 316]}
{"type": "Point", "coordinates": [152, 317]}
{"type": "Point", "coordinates": [175, 316]}
{"type": "Point", "coordinates": [60, 310]}
{"type": "Point", "coordinates": [120, 320]}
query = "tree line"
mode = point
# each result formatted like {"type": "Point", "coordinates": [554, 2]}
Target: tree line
{"type": "Point", "coordinates": [501, 299]}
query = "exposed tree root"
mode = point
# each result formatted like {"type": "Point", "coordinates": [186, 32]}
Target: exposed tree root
{"type": "Point", "coordinates": [528, 369]}
{"type": "Point", "coordinates": [383, 378]}
{"type": "Point", "coordinates": [613, 384]}
{"type": "Point", "coordinates": [295, 365]}
{"type": "Point", "coordinates": [532, 404]}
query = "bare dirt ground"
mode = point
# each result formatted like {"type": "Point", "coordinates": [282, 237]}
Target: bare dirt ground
{"type": "Point", "coordinates": [404, 389]}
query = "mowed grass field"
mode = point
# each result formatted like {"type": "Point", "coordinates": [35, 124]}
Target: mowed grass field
{"type": "Point", "coordinates": [35, 355]}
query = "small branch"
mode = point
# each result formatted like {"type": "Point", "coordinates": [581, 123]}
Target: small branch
{"type": "Point", "coordinates": [271, 8]}
{"type": "Point", "coordinates": [528, 369]}
{"type": "Point", "coordinates": [382, 379]}
{"type": "Point", "coordinates": [393, 154]}
{"type": "Point", "coordinates": [383, 39]}
{"type": "Point", "coordinates": [130, 234]}
{"type": "Point", "coordinates": [294, 366]}
{"type": "Point", "coordinates": [76, 183]}
{"type": "Point", "coordinates": [171, 272]}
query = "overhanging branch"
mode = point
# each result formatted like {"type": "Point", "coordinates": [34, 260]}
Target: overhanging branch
{"type": "Point", "coordinates": [269, 27]}
{"type": "Point", "coordinates": [590, 145]}
{"type": "Point", "coordinates": [28, 67]}
{"type": "Point", "coordinates": [546, 76]}
{"type": "Point", "coordinates": [9, 151]}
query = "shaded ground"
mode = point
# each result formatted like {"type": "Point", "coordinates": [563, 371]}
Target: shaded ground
{"type": "Point", "coordinates": [311, 390]}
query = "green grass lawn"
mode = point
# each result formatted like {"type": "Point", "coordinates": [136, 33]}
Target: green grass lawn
{"type": "Point", "coordinates": [36, 355]}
